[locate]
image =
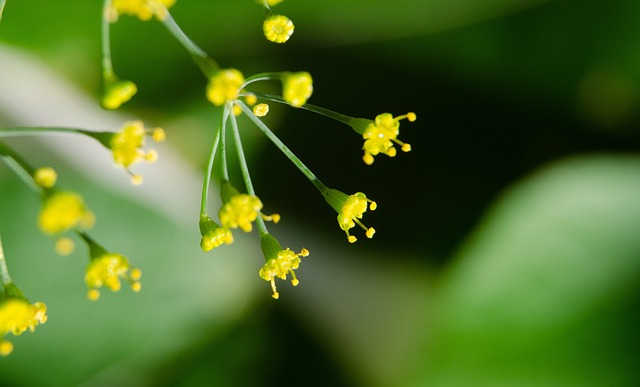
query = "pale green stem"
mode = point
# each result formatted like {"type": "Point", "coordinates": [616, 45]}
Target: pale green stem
{"type": "Point", "coordinates": [245, 170]}
{"type": "Point", "coordinates": [107, 66]}
{"type": "Point", "coordinates": [2, 2]}
{"type": "Point", "coordinates": [20, 168]}
{"type": "Point", "coordinates": [207, 65]}
{"type": "Point", "coordinates": [284, 149]}
{"type": "Point", "coordinates": [4, 271]}
{"type": "Point", "coordinates": [266, 7]}
{"type": "Point", "coordinates": [261, 77]}
{"type": "Point", "coordinates": [207, 177]}
{"type": "Point", "coordinates": [223, 141]}
{"type": "Point", "coordinates": [38, 130]}
{"type": "Point", "coordinates": [312, 108]}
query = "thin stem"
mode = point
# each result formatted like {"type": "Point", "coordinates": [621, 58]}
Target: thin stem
{"type": "Point", "coordinates": [312, 108]}
{"type": "Point", "coordinates": [223, 141]}
{"type": "Point", "coordinates": [4, 271]}
{"type": "Point", "coordinates": [207, 177]}
{"type": "Point", "coordinates": [207, 65]}
{"type": "Point", "coordinates": [261, 77]}
{"type": "Point", "coordinates": [287, 152]}
{"type": "Point", "coordinates": [1, 7]}
{"type": "Point", "coordinates": [245, 170]}
{"type": "Point", "coordinates": [107, 66]}
{"type": "Point", "coordinates": [20, 168]}
{"type": "Point", "coordinates": [38, 130]}
{"type": "Point", "coordinates": [267, 9]}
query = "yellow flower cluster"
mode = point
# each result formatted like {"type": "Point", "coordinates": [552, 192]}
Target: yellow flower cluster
{"type": "Point", "coordinates": [297, 88]}
{"type": "Point", "coordinates": [351, 212]}
{"type": "Point", "coordinates": [16, 316]}
{"type": "Point", "coordinates": [381, 134]}
{"type": "Point", "coordinates": [285, 263]}
{"type": "Point", "coordinates": [107, 270]}
{"type": "Point", "coordinates": [241, 210]}
{"type": "Point", "coordinates": [62, 211]}
{"type": "Point", "coordinates": [117, 93]}
{"type": "Point", "coordinates": [142, 9]}
{"type": "Point", "coordinates": [216, 237]}
{"type": "Point", "coordinates": [224, 86]}
{"type": "Point", "coordinates": [126, 146]}
{"type": "Point", "coordinates": [45, 177]}
{"type": "Point", "coordinates": [278, 28]}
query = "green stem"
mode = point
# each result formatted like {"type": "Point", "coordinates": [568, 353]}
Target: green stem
{"type": "Point", "coordinates": [4, 271]}
{"type": "Point", "coordinates": [312, 108]}
{"type": "Point", "coordinates": [207, 177]}
{"type": "Point", "coordinates": [37, 130]}
{"type": "Point", "coordinates": [245, 170]}
{"type": "Point", "coordinates": [267, 9]}
{"type": "Point", "coordinates": [261, 77]}
{"type": "Point", "coordinates": [287, 152]}
{"type": "Point", "coordinates": [1, 7]}
{"type": "Point", "coordinates": [96, 250]}
{"type": "Point", "coordinates": [20, 168]}
{"type": "Point", "coordinates": [107, 66]}
{"type": "Point", "coordinates": [207, 65]}
{"type": "Point", "coordinates": [223, 141]}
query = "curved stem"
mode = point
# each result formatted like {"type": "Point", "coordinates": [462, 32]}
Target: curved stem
{"type": "Point", "coordinates": [261, 77]}
{"type": "Point", "coordinates": [284, 149]}
{"type": "Point", "coordinates": [312, 108]}
{"type": "Point", "coordinates": [245, 170]}
{"type": "Point", "coordinates": [207, 177]}
{"type": "Point", "coordinates": [107, 66]}
{"type": "Point", "coordinates": [4, 271]}
{"type": "Point", "coordinates": [20, 168]}
{"type": "Point", "coordinates": [207, 65]}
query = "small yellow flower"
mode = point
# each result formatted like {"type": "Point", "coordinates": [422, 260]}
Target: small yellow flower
{"type": "Point", "coordinates": [126, 146]}
{"type": "Point", "coordinates": [297, 88]}
{"type": "Point", "coordinates": [107, 270]}
{"type": "Point", "coordinates": [350, 210]}
{"type": "Point", "coordinates": [224, 86]}
{"type": "Point", "coordinates": [278, 28]}
{"type": "Point", "coordinates": [63, 211]}
{"type": "Point", "coordinates": [215, 238]}
{"type": "Point", "coordinates": [16, 316]}
{"type": "Point", "coordinates": [142, 9]}
{"type": "Point", "coordinates": [45, 177]}
{"type": "Point", "coordinates": [279, 263]}
{"type": "Point", "coordinates": [240, 211]}
{"type": "Point", "coordinates": [261, 109]}
{"type": "Point", "coordinates": [117, 93]}
{"type": "Point", "coordinates": [64, 246]}
{"type": "Point", "coordinates": [380, 136]}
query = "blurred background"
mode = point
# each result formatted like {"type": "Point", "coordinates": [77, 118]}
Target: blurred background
{"type": "Point", "coordinates": [507, 249]}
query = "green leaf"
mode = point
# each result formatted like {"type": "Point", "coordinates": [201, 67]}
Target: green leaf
{"type": "Point", "coordinates": [545, 291]}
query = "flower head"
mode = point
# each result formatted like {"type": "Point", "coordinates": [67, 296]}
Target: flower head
{"type": "Point", "coordinates": [240, 210]}
{"type": "Point", "coordinates": [107, 270]}
{"type": "Point", "coordinates": [213, 235]}
{"type": "Point", "coordinates": [381, 134]}
{"type": "Point", "coordinates": [297, 88]}
{"type": "Point", "coordinates": [278, 28]}
{"type": "Point", "coordinates": [350, 210]}
{"type": "Point", "coordinates": [118, 92]}
{"type": "Point", "coordinates": [16, 316]}
{"type": "Point", "coordinates": [142, 9]}
{"type": "Point", "coordinates": [224, 86]}
{"type": "Point", "coordinates": [45, 177]}
{"type": "Point", "coordinates": [126, 146]}
{"type": "Point", "coordinates": [261, 109]}
{"type": "Point", "coordinates": [280, 262]}
{"type": "Point", "coordinates": [62, 211]}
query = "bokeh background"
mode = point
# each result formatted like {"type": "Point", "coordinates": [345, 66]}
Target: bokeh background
{"type": "Point", "coordinates": [507, 249]}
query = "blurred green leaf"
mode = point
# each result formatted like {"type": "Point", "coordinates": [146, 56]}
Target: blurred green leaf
{"type": "Point", "coordinates": [545, 292]}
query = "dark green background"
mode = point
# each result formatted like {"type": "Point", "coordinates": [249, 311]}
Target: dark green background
{"type": "Point", "coordinates": [507, 248]}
